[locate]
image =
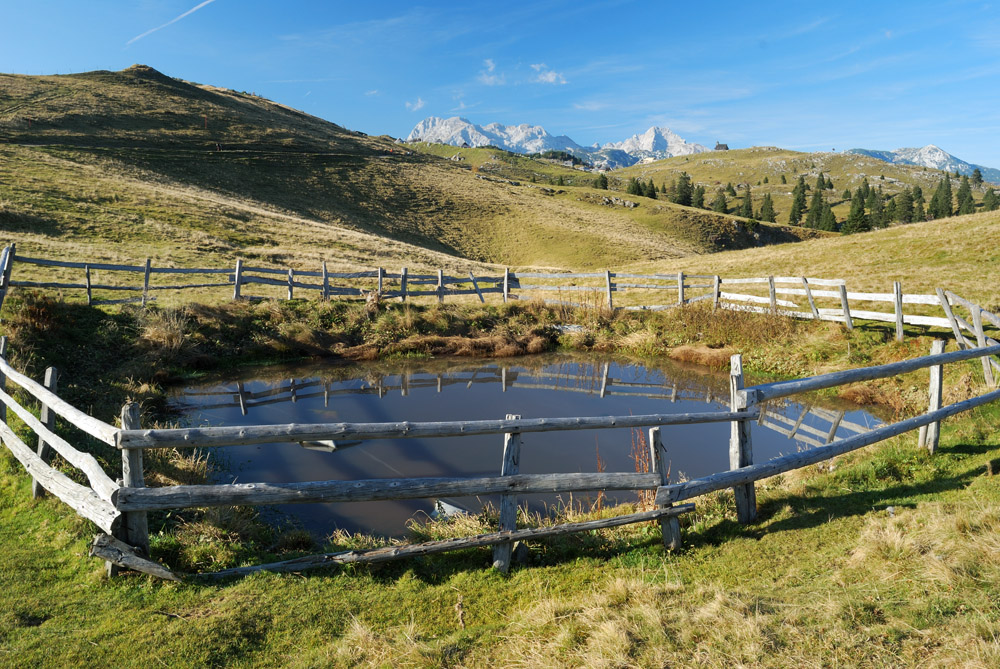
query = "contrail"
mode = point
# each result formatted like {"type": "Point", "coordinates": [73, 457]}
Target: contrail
{"type": "Point", "coordinates": [174, 20]}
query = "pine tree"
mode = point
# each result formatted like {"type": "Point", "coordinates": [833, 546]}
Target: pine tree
{"type": "Point", "coordinates": [815, 209]}
{"type": "Point", "coordinates": [698, 197]}
{"type": "Point", "coordinates": [767, 212]}
{"type": "Point", "coordinates": [601, 181]}
{"type": "Point", "coordinates": [683, 193]}
{"type": "Point", "coordinates": [977, 177]}
{"type": "Point", "coordinates": [865, 188]}
{"type": "Point", "coordinates": [828, 221]}
{"type": "Point", "coordinates": [856, 220]}
{"type": "Point", "coordinates": [820, 182]}
{"type": "Point", "coordinates": [876, 212]}
{"type": "Point", "coordinates": [746, 208]}
{"type": "Point", "coordinates": [798, 202]}
{"type": "Point", "coordinates": [904, 206]}
{"type": "Point", "coordinates": [560, 182]}
{"type": "Point", "coordinates": [966, 205]}
{"type": "Point", "coordinates": [648, 189]}
{"type": "Point", "coordinates": [783, 179]}
{"type": "Point", "coordinates": [720, 204]}
{"type": "Point", "coordinates": [730, 190]}
{"type": "Point", "coordinates": [829, 183]}
{"type": "Point", "coordinates": [765, 179]}
{"type": "Point", "coordinates": [918, 205]}
{"type": "Point", "coordinates": [633, 188]}
{"type": "Point", "coordinates": [940, 204]}
{"type": "Point", "coordinates": [890, 211]}
{"type": "Point", "coordinates": [847, 194]}
{"type": "Point", "coordinates": [990, 200]}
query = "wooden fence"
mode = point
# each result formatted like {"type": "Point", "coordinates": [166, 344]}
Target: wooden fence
{"type": "Point", "coordinates": [797, 297]}
{"type": "Point", "coordinates": [120, 508]}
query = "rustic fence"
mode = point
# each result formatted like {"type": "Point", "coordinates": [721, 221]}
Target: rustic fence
{"type": "Point", "coordinates": [120, 508]}
{"type": "Point", "coordinates": [819, 299]}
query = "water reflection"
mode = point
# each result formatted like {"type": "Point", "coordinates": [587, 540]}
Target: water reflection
{"type": "Point", "coordinates": [428, 391]}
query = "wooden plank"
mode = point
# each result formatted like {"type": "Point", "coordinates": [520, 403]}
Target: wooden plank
{"type": "Point", "coordinates": [846, 308]}
{"type": "Point", "coordinates": [809, 295]}
{"type": "Point", "coordinates": [542, 275]}
{"type": "Point", "coordinates": [670, 528]}
{"type": "Point", "coordinates": [977, 323]}
{"type": "Point", "coordinates": [736, 297]}
{"type": "Point", "coordinates": [80, 498]}
{"type": "Point", "coordinates": [387, 553]}
{"type": "Point", "coordinates": [659, 277]}
{"type": "Point", "coordinates": [190, 270]}
{"type": "Point", "coordinates": [48, 420]}
{"type": "Point", "coordinates": [282, 282]}
{"type": "Point", "coordinates": [136, 526]}
{"type": "Point", "coordinates": [740, 445]}
{"type": "Point", "coordinates": [187, 496]}
{"type": "Point", "coordinates": [3, 377]}
{"type": "Point", "coordinates": [207, 437]}
{"type": "Point", "coordinates": [81, 265]}
{"type": "Point", "coordinates": [991, 318]}
{"type": "Point", "coordinates": [769, 391]}
{"type": "Point", "coordinates": [508, 502]}
{"type": "Point", "coordinates": [946, 305]}
{"type": "Point", "coordinates": [92, 426]}
{"type": "Point", "coordinates": [186, 286]}
{"type": "Point", "coordinates": [735, 281]}
{"type": "Point", "coordinates": [681, 491]}
{"type": "Point", "coordinates": [897, 292]}
{"type": "Point", "coordinates": [118, 552]}
{"type": "Point", "coordinates": [476, 286]}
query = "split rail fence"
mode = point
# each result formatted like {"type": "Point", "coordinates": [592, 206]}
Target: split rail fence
{"type": "Point", "coordinates": [119, 508]}
{"type": "Point", "coordinates": [797, 297]}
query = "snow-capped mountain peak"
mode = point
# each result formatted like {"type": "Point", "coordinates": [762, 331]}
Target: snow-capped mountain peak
{"type": "Point", "coordinates": [930, 156]}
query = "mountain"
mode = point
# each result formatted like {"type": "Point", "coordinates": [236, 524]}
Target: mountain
{"type": "Point", "coordinates": [930, 156]}
{"type": "Point", "coordinates": [654, 144]}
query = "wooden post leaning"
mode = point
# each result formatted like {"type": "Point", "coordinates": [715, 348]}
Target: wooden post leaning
{"type": "Point", "coordinates": [670, 527]}
{"type": "Point", "coordinates": [48, 418]}
{"type": "Point", "coordinates": [848, 323]}
{"type": "Point", "coordinates": [897, 293]}
{"type": "Point", "coordinates": [740, 446]}
{"type": "Point", "coordinates": [929, 434]}
{"type": "Point", "coordinates": [977, 324]}
{"type": "Point", "coordinates": [946, 305]}
{"type": "Point", "coordinates": [809, 296]}
{"type": "Point", "coordinates": [508, 503]}
{"type": "Point", "coordinates": [135, 526]}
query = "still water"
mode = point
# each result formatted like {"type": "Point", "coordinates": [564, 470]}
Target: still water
{"type": "Point", "coordinates": [540, 386]}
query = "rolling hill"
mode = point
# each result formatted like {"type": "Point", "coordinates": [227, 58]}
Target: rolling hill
{"type": "Point", "coordinates": [136, 162]}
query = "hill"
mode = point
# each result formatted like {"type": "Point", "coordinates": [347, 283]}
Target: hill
{"type": "Point", "coordinates": [164, 164]}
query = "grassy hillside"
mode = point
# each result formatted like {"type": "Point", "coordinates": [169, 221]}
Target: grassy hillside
{"type": "Point", "coordinates": [138, 157]}
{"type": "Point", "coordinates": [751, 166]}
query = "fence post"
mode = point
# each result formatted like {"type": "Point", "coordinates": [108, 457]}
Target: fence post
{"type": "Point", "coordinates": [90, 294]}
{"type": "Point", "coordinates": [145, 282]}
{"type": "Point", "coordinates": [381, 278]}
{"type": "Point", "coordinates": [716, 291]}
{"type": "Point", "coordinates": [680, 288]}
{"type": "Point", "coordinates": [508, 503]}
{"type": "Point", "coordinates": [740, 446]}
{"type": "Point", "coordinates": [326, 282]}
{"type": "Point", "coordinates": [48, 419]}
{"type": "Point", "coordinates": [506, 284]}
{"type": "Point", "coordinates": [772, 296]}
{"type": "Point", "coordinates": [929, 434]}
{"type": "Point", "coordinates": [291, 282]}
{"type": "Point", "coordinates": [669, 527]}
{"type": "Point", "coordinates": [402, 285]}
{"type": "Point", "coordinates": [977, 323]}
{"type": "Point", "coordinates": [897, 293]}
{"type": "Point", "coordinates": [136, 528]}
{"type": "Point", "coordinates": [3, 378]}
{"type": "Point", "coordinates": [6, 267]}
{"type": "Point", "coordinates": [809, 295]}
{"type": "Point", "coordinates": [237, 278]}
{"type": "Point", "coordinates": [846, 307]}
{"type": "Point", "coordinates": [607, 278]}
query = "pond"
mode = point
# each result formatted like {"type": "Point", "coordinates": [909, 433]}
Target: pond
{"type": "Point", "coordinates": [535, 387]}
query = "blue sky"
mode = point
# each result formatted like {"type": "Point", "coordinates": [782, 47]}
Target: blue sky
{"type": "Point", "coordinates": [806, 76]}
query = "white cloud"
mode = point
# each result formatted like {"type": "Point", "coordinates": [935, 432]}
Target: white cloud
{"type": "Point", "coordinates": [416, 106]}
{"type": "Point", "coordinates": [547, 76]}
{"type": "Point", "coordinates": [374, 91]}
{"type": "Point", "coordinates": [489, 75]}
{"type": "Point", "coordinates": [173, 20]}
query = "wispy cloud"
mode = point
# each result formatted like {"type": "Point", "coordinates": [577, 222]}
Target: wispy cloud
{"type": "Point", "coordinates": [489, 75]}
{"type": "Point", "coordinates": [170, 22]}
{"type": "Point", "coordinates": [416, 106]}
{"type": "Point", "coordinates": [374, 91]}
{"type": "Point", "coordinates": [547, 76]}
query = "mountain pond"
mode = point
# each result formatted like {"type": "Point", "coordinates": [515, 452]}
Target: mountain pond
{"type": "Point", "coordinates": [440, 390]}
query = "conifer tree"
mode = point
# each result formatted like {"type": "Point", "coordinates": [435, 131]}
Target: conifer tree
{"type": "Point", "coordinates": [746, 208]}
{"type": "Point", "coordinates": [601, 181]}
{"type": "Point", "coordinates": [634, 187]}
{"type": "Point", "coordinates": [698, 197]}
{"type": "Point", "coordinates": [683, 193]}
{"type": "Point", "coordinates": [918, 205]}
{"type": "Point", "coordinates": [828, 221]}
{"type": "Point", "coordinates": [720, 204]}
{"type": "Point", "coordinates": [767, 212]}
{"type": "Point", "coordinates": [815, 209]}
{"type": "Point", "coordinates": [560, 182]}
{"type": "Point", "coordinates": [856, 220]}
{"type": "Point", "coordinates": [890, 211]}
{"type": "Point", "coordinates": [865, 188]}
{"type": "Point", "coordinates": [783, 179]}
{"type": "Point", "coordinates": [820, 182]}
{"type": "Point", "coordinates": [847, 194]}
{"type": "Point", "coordinates": [990, 200]}
{"type": "Point", "coordinates": [798, 202]}
{"type": "Point", "coordinates": [904, 206]}
{"type": "Point", "coordinates": [829, 183]}
{"type": "Point", "coordinates": [977, 177]}
{"type": "Point", "coordinates": [730, 190]}
{"type": "Point", "coordinates": [966, 205]}
{"type": "Point", "coordinates": [876, 212]}
{"type": "Point", "coordinates": [765, 179]}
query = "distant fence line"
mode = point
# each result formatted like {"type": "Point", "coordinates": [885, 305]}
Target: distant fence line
{"type": "Point", "coordinates": [550, 287]}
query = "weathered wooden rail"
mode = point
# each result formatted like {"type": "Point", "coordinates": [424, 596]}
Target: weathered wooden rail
{"type": "Point", "coordinates": [119, 508]}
